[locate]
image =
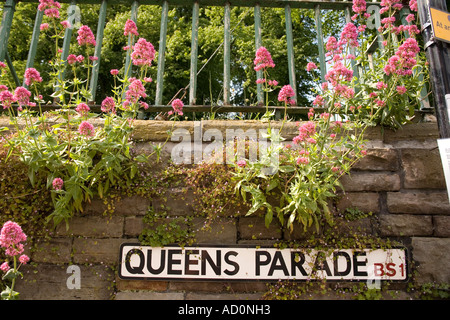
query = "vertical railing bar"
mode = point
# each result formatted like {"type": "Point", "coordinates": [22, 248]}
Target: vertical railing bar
{"type": "Point", "coordinates": [227, 54]}
{"type": "Point", "coordinates": [133, 16]}
{"type": "Point", "coordinates": [98, 48]}
{"type": "Point", "coordinates": [352, 50]}
{"type": "Point", "coordinates": [161, 53]}
{"type": "Point", "coordinates": [12, 69]}
{"type": "Point", "coordinates": [320, 45]}
{"type": "Point", "coordinates": [194, 54]}
{"type": "Point", "coordinates": [258, 44]}
{"type": "Point", "coordinates": [34, 40]}
{"type": "Point", "coordinates": [5, 28]}
{"type": "Point", "coordinates": [66, 42]}
{"type": "Point", "coordinates": [290, 50]}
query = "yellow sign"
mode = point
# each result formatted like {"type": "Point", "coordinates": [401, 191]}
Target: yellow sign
{"type": "Point", "coordinates": [441, 24]}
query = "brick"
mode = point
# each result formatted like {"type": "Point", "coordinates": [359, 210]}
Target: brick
{"type": "Point", "coordinates": [418, 202]}
{"type": "Point", "coordinates": [220, 231]}
{"type": "Point", "coordinates": [405, 225]}
{"type": "Point", "coordinates": [364, 201]}
{"type": "Point", "coordinates": [223, 296]}
{"type": "Point", "coordinates": [55, 250]}
{"type": "Point", "coordinates": [93, 226]}
{"type": "Point", "coordinates": [432, 259]}
{"type": "Point", "coordinates": [371, 181]}
{"type": "Point", "coordinates": [176, 202]}
{"type": "Point", "coordinates": [252, 228]}
{"type": "Point", "coordinates": [378, 159]}
{"type": "Point", "coordinates": [132, 206]}
{"type": "Point", "coordinates": [423, 169]}
{"type": "Point", "coordinates": [441, 226]}
{"type": "Point", "coordinates": [96, 250]}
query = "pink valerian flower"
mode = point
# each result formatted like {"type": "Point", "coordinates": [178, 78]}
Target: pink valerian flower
{"type": "Point", "coordinates": [108, 105]}
{"type": "Point", "coordinates": [285, 94]}
{"type": "Point", "coordinates": [177, 106]}
{"type": "Point", "coordinates": [57, 184]}
{"type": "Point", "coordinates": [339, 73]}
{"type": "Point", "coordinates": [83, 109]}
{"type": "Point", "coordinates": [86, 129]}
{"type": "Point", "coordinates": [5, 267]}
{"type": "Point", "coordinates": [242, 163]}
{"type": "Point", "coordinates": [404, 59]}
{"type": "Point", "coordinates": [381, 85]}
{"type": "Point", "coordinates": [263, 59]}
{"type": "Point", "coordinates": [413, 5]}
{"type": "Point", "coordinates": [359, 6]}
{"type": "Point", "coordinates": [144, 105]}
{"type": "Point", "coordinates": [48, 4]}
{"type": "Point", "coordinates": [130, 28]}
{"type": "Point", "coordinates": [148, 79]}
{"type": "Point", "coordinates": [311, 66]}
{"type": "Point", "coordinates": [390, 4]}
{"type": "Point", "coordinates": [135, 91]}
{"type": "Point", "coordinates": [401, 90]}
{"type": "Point", "coordinates": [85, 36]}
{"type": "Point", "coordinates": [114, 72]}
{"type": "Point", "coordinates": [31, 76]}
{"type": "Point", "coordinates": [302, 160]}
{"type": "Point", "coordinates": [319, 101]}
{"type": "Point", "coordinates": [143, 53]}
{"type": "Point", "coordinates": [306, 131]}
{"type": "Point", "coordinates": [349, 36]}
{"type": "Point", "coordinates": [65, 24]}
{"type": "Point", "coordinates": [22, 96]}
{"type": "Point", "coordinates": [23, 259]}
{"type": "Point", "coordinates": [11, 238]}
{"type": "Point", "coordinates": [44, 26]}
{"type": "Point", "coordinates": [6, 99]}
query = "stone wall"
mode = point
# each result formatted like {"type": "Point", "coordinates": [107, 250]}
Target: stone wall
{"type": "Point", "coordinates": [400, 182]}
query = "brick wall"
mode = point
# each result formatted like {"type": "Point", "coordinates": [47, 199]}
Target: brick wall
{"type": "Point", "coordinates": [400, 182]}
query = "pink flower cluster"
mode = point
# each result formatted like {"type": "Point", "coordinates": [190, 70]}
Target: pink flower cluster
{"type": "Point", "coordinates": [130, 28]}
{"type": "Point", "coordinates": [86, 36]}
{"type": "Point", "coordinates": [57, 184]}
{"type": "Point", "coordinates": [108, 105]}
{"type": "Point", "coordinates": [387, 5]}
{"type": "Point", "coordinates": [71, 59]}
{"type": "Point", "coordinates": [86, 129]}
{"type": "Point", "coordinates": [404, 59]}
{"type": "Point", "coordinates": [31, 76]}
{"type": "Point", "coordinates": [143, 53]}
{"type": "Point", "coordinates": [177, 106]}
{"type": "Point", "coordinates": [306, 131]}
{"type": "Point", "coordinates": [135, 91]}
{"type": "Point", "coordinates": [11, 238]}
{"type": "Point", "coordinates": [285, 95]}
{"type": "Point", "coordinates": [263, 59]}
{"type": "Point", "coordinates": [22, 97]}
{"type": "Point", "coordinates": [50, 8]}
{"type": "Point", "coordinates": [82, 109]}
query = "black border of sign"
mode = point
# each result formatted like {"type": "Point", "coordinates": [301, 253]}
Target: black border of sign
{"type": "Point", "coordinates": [407, 259]}
{"type": "Point", "coordinates": [432, 24]}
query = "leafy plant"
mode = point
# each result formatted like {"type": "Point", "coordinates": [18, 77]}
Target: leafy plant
{"type": "Point", "coordinates": [78, 159]}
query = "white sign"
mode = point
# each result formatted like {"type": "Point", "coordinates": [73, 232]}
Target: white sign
{"type": "Point", "coordinates": [256, 263]}
{"type": "Point", "coordinates": [444, 151]}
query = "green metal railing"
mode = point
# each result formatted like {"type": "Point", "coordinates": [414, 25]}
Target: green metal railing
{"type": "Point", "coordinates": [316, 5]}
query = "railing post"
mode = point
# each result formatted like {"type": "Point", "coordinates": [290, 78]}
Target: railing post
{"type": "Point", "coordinates": [258, 44]}
{"type": "Point", "coordinates": [98, 48]}
{"type": "Point", "coordinates": [226, 54]}
{"type": "Point", "coordinates": [133, 16]}
{"type": "Point", "coordinates": [66, 42]}
{"type": "Point", "coordinates": [5, 28]}
{"type": "Point", "coordinates": [290, 51]}
{"type": "Point", "coordinates": [194, 54]}
{"type": "Point", "coordinates": [34, 40]}
{"type": "Point", "coordinates": [161, 53]}
{"type": "Point", "coordinates": [318, 18]}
